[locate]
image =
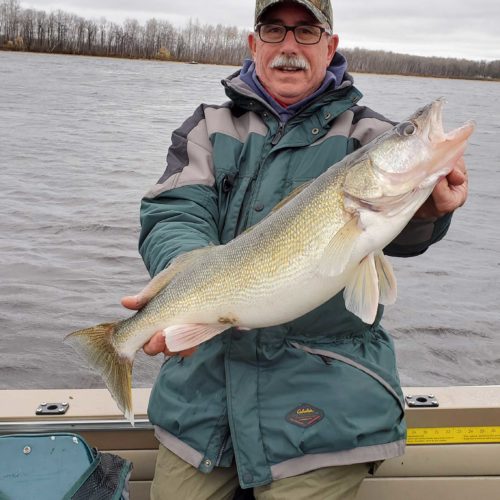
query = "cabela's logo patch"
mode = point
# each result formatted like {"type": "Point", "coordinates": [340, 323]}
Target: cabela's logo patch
{"type": "Point", "coordinates": [305, 415]}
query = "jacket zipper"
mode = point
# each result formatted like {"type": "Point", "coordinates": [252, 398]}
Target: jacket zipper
{"type": "Point", "coordinates": [278, 135]}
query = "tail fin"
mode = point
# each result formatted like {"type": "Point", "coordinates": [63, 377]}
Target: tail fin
{"type": "Point", "coordinates": [95, 345]}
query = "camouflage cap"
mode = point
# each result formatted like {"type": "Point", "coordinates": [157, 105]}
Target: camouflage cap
{"type": "Point", "coordinates": [321, 9]}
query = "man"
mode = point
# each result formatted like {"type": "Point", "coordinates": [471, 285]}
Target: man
{"type": "Point", "coordinates": [304, 409]}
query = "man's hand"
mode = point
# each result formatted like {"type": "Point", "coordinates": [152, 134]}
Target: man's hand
{"type": "Point", "coordinates": [156, 343]}
{"type": "Point", "coordinates": [449, 194]}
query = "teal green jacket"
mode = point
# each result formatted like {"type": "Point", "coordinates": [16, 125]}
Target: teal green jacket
{"type": "Point", "coordinates": [321, 390]}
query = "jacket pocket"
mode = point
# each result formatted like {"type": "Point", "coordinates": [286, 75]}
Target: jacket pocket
{"type": "Point", "coordinates": [328, 356]}
{"type": "Point", "coordinates": [325, 401]}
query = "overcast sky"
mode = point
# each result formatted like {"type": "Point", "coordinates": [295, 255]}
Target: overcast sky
{"type": "Point", "coordinates": [448, 28]}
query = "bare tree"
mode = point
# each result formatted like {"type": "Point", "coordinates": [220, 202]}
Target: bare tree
{"type": "Point", "coordinates": [10, 12]}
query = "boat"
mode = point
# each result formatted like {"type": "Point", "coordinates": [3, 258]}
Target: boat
{"type": "Point", "coordinates": [453, 447]}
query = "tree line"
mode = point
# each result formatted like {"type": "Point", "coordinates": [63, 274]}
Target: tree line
{"type": "Point", "coordinates": [65, 33]}
{"type": "Point", "coordinates": [378, 61]}
{"type": "Point", "coordinates": [61, 32]}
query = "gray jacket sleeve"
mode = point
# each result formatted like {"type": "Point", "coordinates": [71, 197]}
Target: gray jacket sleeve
{"type": "Point", "coordinates": [418, 236]}
{"type": "Point", "coordinates": [180, 212]}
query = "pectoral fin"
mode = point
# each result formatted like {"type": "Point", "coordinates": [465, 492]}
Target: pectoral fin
{"type": "Point", "coordinates": [181, 337]}
{"type": "Point", "coordinates": [338, 252]}
{"type": "Point", "coordinates": [361, 293]}
{"type": "Point", "coordinates": [386, 280]}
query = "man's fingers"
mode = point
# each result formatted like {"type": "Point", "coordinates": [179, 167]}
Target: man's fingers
{"type": "Point", "coordinates": [450, 193]}
{"type": "Point", "coordinates": [131, 302]}
{"type": "Point", "coordinates": [441, 189]}
{"type": "Point", "coordinates": [456, 177]}
{"type": "Point", "coordinates": [156, 344]}
{"type": "Point", "coordinates": [134, 302]}
{"type": "Point", "coordinates": [459, 173]}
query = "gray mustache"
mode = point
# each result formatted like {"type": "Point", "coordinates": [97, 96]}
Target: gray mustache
{"type": "Point", "coordinates": [289, 61]}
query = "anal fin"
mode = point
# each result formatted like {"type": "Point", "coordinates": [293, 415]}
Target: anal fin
{"type": "Point", "coordinates": [182, 337]}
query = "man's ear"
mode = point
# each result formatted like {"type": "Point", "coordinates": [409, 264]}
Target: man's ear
{"type": "Point", "coordinates": [252, 43]}
{"type": "Point", "coordinates": [332, 47]}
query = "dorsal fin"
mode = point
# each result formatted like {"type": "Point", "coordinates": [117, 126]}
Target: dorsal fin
{"type": "Point", "coordinates": [291, 195]}
{"type": "Point", "coordinates": [282, 203]}
{"type": "Point", "coordinates": [162, 279]}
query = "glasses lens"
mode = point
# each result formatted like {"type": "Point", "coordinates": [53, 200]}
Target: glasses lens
{"type": "Point", "coordinates": [307, 34]}
{"type": "Point", "coordinates": [272, 33]}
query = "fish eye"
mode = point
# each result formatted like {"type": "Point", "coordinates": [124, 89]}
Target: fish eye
{"type": "Point", "coordinates": [407, 128]}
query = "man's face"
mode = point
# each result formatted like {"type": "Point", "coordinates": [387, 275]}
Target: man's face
{"type": "Point", "coordinates": [291, 85]}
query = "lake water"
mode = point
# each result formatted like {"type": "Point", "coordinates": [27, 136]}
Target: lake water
{"type": "Point", "coordinates": [82, 139]}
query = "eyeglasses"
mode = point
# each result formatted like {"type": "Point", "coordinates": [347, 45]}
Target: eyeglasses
{"type": "Point", "coordinates": [304, 34]}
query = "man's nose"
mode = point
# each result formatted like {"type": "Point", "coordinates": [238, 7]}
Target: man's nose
{"type": "Point", "coordinates": [289, 41]}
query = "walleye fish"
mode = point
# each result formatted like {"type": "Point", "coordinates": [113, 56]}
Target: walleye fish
{"type": "Point", "coordinates": [325, 237]}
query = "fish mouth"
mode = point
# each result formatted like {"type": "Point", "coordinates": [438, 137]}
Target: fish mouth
{"type": "Point", "coordinates": [444, 148]}
{"type": "Point", "coordinates": [455, 144]}
{"type": "Point", "coordinates": [461, 134]}
{"type": "Point", "coordinates": [434, 125]}
{"type": "Point", "coordinates": [435, 130]}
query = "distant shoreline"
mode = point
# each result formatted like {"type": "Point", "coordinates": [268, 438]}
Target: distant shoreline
{"type": "Point", "coordinates": [160, 59]}
{"type": "Point", "coordinates": [60, 32]}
